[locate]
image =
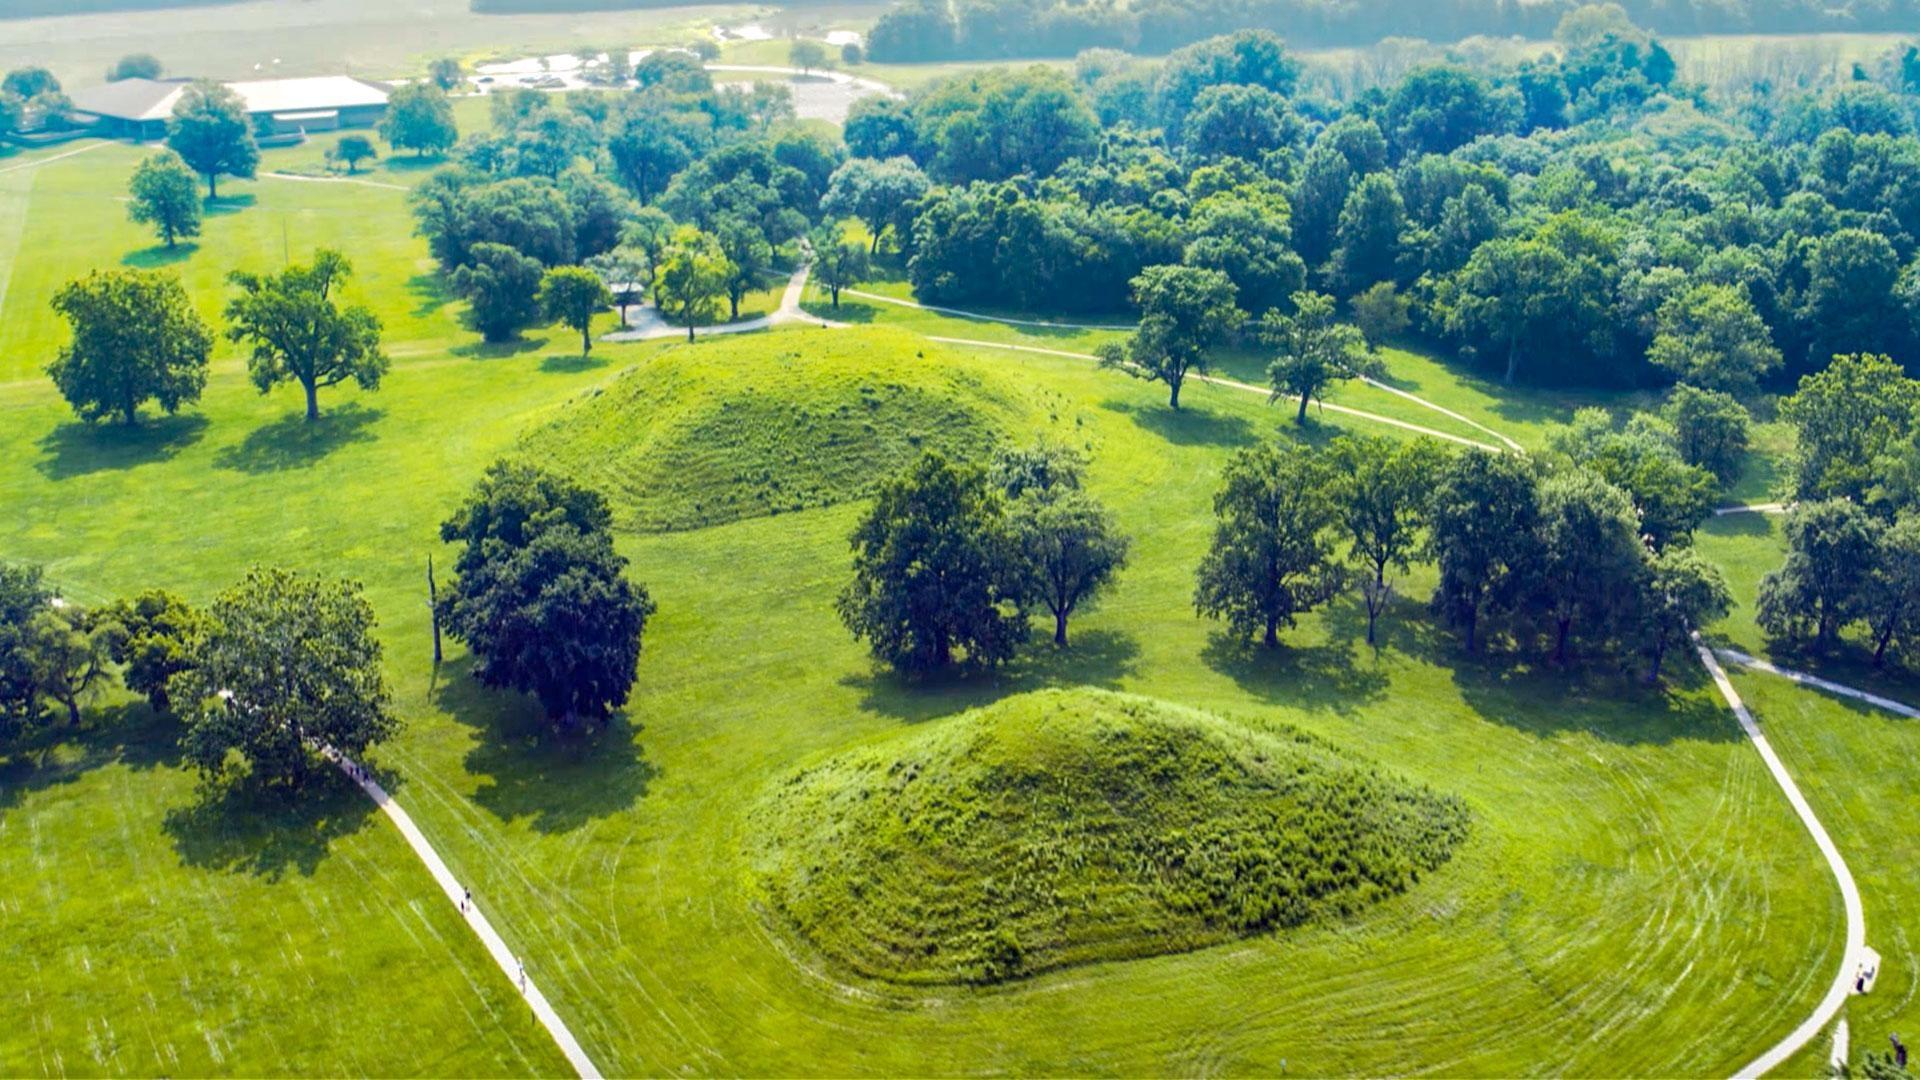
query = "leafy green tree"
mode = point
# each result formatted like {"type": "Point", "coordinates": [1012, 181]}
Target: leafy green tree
{"type": "Point", "coordinates": [30, 82]}
{"type": "Point", "coordinates": [300, 332]}
{"type": "Point", "coordinates": [153, 640]}
{"type": "Point", "coordinates": [1846, 419]}
{"type": "Point", "coordinates": [1591, 559]}
{"type": "Point", "coordinates": [1507, 293]}
{"type": "Point", "coordinates": [1044, 467]}
{"type": "Point", "coordinates": [1243, 58]}
{"type": "Point", "coordinates": [1831, 545]}
{"type": "Point", "coordinates": [692, 278]}
{"type": "Point", "coordinates": [573, 295]}
{"type": "Point", "coordinates": [1891, 596]}
{"type": "Point", "coordinates": [502, 290]}
{"type": "Point", "coordinates": [354, 149]}
{"type": "Point", "coordinates": [1710, 336]}
{"type": "Point", "coordinates": [211, 133]}
{"type": "Point", "coordinates": [1710, 429]}
{"type": "Point", "coordinates": [135, 66]}
{"type": "Point", "coordinates": [1273, 553]}
{"type": "Point", "coordinates": [1850, 304]}
{"type": "Point", "coordinates": [136, 338]}
{"type": "Point", "coordinates": [1380, 491]}
{"type": "Point", "coordinates": [1682, 592]}
{"type": "Point", "coordinates": [69, 654]}
{"type": "Point", "coordinates": [23, 595]}
{"type": "Point", "coordinates": [882, 194]}
{"type": "Point", "coordinates": [1073, 548]}
{"type": "Point", "coordinates": [1440, 108]}
{"type": "Point", "coordinates": [541, 598]}
{"type": "Point", "coordinates": [935, 575]}
{"type": "Point", "coordinates": [1184, 312]}
{"type": "Point", "coordinates": [288, 664]}
{"type": "Point", "coordinates": [419, 118]}
{"type": "Point", "coordinates": [807, 54]}
{"type": "Point", "coordinates": [446, 73]}
{"type": "Point", "coordinates": [1381, 313]}
{"type": "Point", "coordinates": [1481, 522]}
{"type": "Point", "coordinates": [1239, 121]}
{"type": "Point", "coordinates": [1368, 236]}
{"type": "Point", "coordinates": [162, 194]}
{"type": "Point", "coordinates": [837, 264]}
{"type": "Point", "coordinates": [748, 254]}
{"type": "Point", "coordinates": [1245, 236]}
{"type": "Point", "coordinates": [1313, 351]}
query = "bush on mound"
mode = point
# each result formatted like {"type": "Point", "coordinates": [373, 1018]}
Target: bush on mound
{"type": "Point", "coordinates": [705, 434]}
{"type": "Point", "coordinates": [1067, 827]}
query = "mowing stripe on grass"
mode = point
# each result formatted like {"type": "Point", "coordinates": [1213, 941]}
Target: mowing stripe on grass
{"type": "Point", "coordinates": [1836, 997]}
{"type": "Point", "coordinates": [1231, 385]}
{"type": "Point", "coordinates": [509, 964]}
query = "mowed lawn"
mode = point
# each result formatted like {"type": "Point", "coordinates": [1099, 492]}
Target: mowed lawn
{"type": "Point", "coordinates": [1635, 896]}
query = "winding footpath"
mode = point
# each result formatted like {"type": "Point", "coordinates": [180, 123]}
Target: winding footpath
{"type": "Point", "coordinates": [1836, 996]}
{"type": "Point", "coordinates": [649, 325]}
{"type": "Point", "coordinates": [510, 965]}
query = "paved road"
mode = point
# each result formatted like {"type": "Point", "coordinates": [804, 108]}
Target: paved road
{"type": "Point", "coordinates": [645, 323]}
{"type": "Point", "coordinates": [509, 964]}
{"type": "Point", "coordinates": [1836, 996]}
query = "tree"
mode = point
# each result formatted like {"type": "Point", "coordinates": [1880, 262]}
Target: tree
{"type": "Point", "coordinates": [837, 264]}
{"type": "Point", "coordinates": [1313, 351]}
{"type": "Point", "coordinates": [1845, 420]}
{"type": "Point", "coordinates": [1380, 491]}
{"type": "Point", "coordinates": [354, 149]}
{"type": "Point", "coordinates": [23, 595]}
{"type": "Point", "coordinates": [692, 278]}
{"type": "Point", "coordinates": [1440, 108]}
{"type": "Point", "coordinates": [935, 575]}
{"type": "Point", "coordinates": [29, 82]}
{"type": "Point", "coordinates": [135, 66]}
{"type": "Point", "coordinates": [1683, 592]}
{"type": "Point", "coordinates": [1672, 497]}
{"type": "Point", "coordinates": [1381, 313]}
{"type": "Point", "coordinates": [1239, 121]}
{"type": "Point", "coordinates": [1072, 546]}
{"type": "Point", "coordinates": [627, 273]}
{"type": "Point", "coordinates": [287, 664]}
{"type": "Point", "coordinates": [502, 290]}
{"type": "Point", "coordinates": [807, 54]}
{"type": "Point", "coordinates": [419, 118]}
{"type": "Point", "coordinates": [572, 295]}
{"type": "Point", "coordinates": [748, 255]}
{"type": "Point", "coordinates": [1367, 239]}
{"type": "Point", "coordinates": [1831, 545]}
{"type": "Point", "coordinates": [212, 134]}
{"type": "Point", "coordinates": [1891, 596]}
{"type": "Point", "coordinates": [300, 332]}
{"type": "Point", "coordinates": [1044, 467]}
{"type": "Point", "coordinates": [1184, 311]}
{"type": "Point", "coordinates": [69, 654]}
{"type": "Point", "coordinates": [136, 338]}
{"type": "Point", "coordinates": [1710, 429]}
{"type": "Point", "coordinates": [153, 640]}
{"type": "Point", "coordinates": [540, 596]}
{"type": "Point", "coordinates": [1590, 553]}
{"type": "Point", "coordinates": [882, 194]}
{"type": "Point", "coordinates": [446, 73]}
{"type": "Point", "coordinates": [1480, 530]}
{"type": "Point", "coordinates": [1272, 557]}
{"type": "Point", "coordinates": [1710, 336]}
{"type": "Point", "coordinates": [162, 194]}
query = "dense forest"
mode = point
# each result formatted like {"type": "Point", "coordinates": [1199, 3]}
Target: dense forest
{"type": "Point", "coordinates": [987, 29]}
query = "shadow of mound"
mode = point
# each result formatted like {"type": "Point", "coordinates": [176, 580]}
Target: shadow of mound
{"type": "Point", "coordinates": [1187, 426]}
{"type": "Point", "coordinates": [159, 255]}
{"type": "Point", "coordinates": [557, 781]}
{"type": "Point", "coordinates": [76, 449]}
{"type": "Point", "coordinates": [294, 442]}
{"type": "Point", "coordinates": [1102, 658]}
{"type": "Point", "coordinates": [244, 827]}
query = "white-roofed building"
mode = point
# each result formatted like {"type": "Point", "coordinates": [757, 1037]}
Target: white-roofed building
{"type": "Point", "coordinates": [140, 108]}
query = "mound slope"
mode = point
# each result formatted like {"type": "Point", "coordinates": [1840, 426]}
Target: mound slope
{"type": "Point", "coordinates": [769, 423]}
{"type": "Point", "coordinates": [1067, 827]}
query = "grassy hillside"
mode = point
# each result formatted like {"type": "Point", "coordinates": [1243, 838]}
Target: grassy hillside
{"type": "Point", "coordinates": [786, 423]}
{"type": "Point", "coordinates": [1069, 827]}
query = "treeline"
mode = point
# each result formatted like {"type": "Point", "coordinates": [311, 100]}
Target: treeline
{"type": "Point", "coordinates": [918, 30]}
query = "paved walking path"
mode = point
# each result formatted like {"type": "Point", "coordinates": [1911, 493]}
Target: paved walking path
{"type": "Point", "coordinates": [647, 324]}
{"type": "Point", "coordinates": [503, 956]}
{"type": "Point", "coordinates": [37, 162]}
{"type": "Point", "coordinates": [1836, 996]}
{"type": "Point", "coordinates": [334, 180]}
{"type": "Point", "coordinates": [1735, 656]}
{"type": "Point", "coordinates": [1752, 508]}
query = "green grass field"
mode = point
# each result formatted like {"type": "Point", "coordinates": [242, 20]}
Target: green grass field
{"type": "Point", "coordinates": [1634, 896]}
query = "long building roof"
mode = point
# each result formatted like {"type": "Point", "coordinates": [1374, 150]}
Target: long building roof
{"type": "Point", "coordinates": [154, 99]}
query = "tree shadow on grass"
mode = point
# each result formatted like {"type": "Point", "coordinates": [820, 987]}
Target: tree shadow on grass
{"type": "Point", "coordinates": [498, 350]}
{"type": "Point", "coordinates": [127, 733]}
{"type": "Point", "coordinates": [294, 442]}
{"type": "Point", "coordinates": [1741, 524]}
{"type": "Point", "coordinates": [851, 310]}
{"type": "Point", "coordinates": [1102, 658]}
{"type": "Point", "coordinates": [1187, 426]}
{"type": "Point", "coordinates": [430, 293]}
{"type": "Point", "coordinates": [1595, 697]}
{"type": "Point", "coordinates": [76, 449]}
{"type": "Point", "coordinates": [558, 781]}
{"type": "Point", "coordinates": [1334, 677]}
{"type": "Point", "coordinates": [245, 827]}
{"type": "Point", "coordinates": [159, 255]}
{"type": "Point", "coordinates": [572, 363]}
{"type": "Point", "coordinates": [228, 204]}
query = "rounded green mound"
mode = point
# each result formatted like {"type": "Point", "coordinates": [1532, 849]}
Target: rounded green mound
{"type": "Point", "coordinates": [759, 424]}
{"type": "Point", "coordinates": [1067, 827]}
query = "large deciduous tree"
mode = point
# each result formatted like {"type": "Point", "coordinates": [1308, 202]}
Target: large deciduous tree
{"type": "Point", "coordinates": [502, 289]}
{"type": "Point", "coordinates": [692, 278]}
{"type": "Point", "coordinates": [154, 638]}
{"type": "Point", "coordinates": [936, 578]}
{"type": "Point", "coordinates": [300, 332]}
{"type": "Point", "coordinates": [1273, 556]}
{"type": "Point", "coordinates": [837, 263]}
{"type": "Point", "coordinates": [1481, 532]}
{"type": "Point", "coordinates": [287, 664]}
{"type": "Point", "coordinates": [540, 597]}
{"type": "Point", "coordinates": [1832, 546]}
{"type": "Point", "coordinates": [420, 118]}
{"type": "Point", "coordinates": [162, 194]}
{"type": "Point", "coordinates": [23, 594]}
{"type": "Point", "coordinates": [573, 295]}
{"type": "Point", "coordinates": [1313, 351]}
{"type": "Point", "coordinates": [1590, 555]}
{"type": "Point", "coordinates": [1184, 312]}
{"type": "Point", "coordinates": [1891, 596]}
{"type": "Point", "coordinates": [1681, 593]}
{"type": "Point", "coordinates": [1711, 337]}
{"type": "Point", "coordinates": [1846, 418]}
{"type": "Point", "coordinates": [1710, 429]}
{"type": "Point", "coordinates": [1381, 490]}
{"type": "Point", "coordinates": [1072, 545]}
{"type": "Point", "coordinates": [136, 338]}
{"type": "Point", "coordinates": [210, 131]}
